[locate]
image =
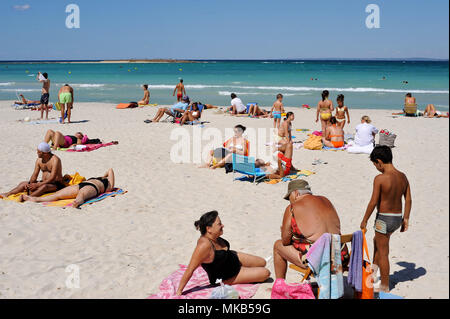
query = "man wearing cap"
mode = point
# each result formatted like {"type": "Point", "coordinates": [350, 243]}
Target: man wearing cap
{"type": "Point", "coordinates": [306, 219]}
{"type": "Point", "coordinates": [175, 110]}
{"type": "Point", "coordinates": [52, 179]}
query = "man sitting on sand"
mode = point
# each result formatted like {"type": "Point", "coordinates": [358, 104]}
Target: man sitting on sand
{"type": "Point", "coordinates": [388, 190]}
{"type": "Point", "coordinates": [52, 179]}
{"type": "Point", "coordinates": [146, 99]}
{"type": "Point", "coordinates": [174, 111]}
{"type": "Point", "coordinates": [305, 220]}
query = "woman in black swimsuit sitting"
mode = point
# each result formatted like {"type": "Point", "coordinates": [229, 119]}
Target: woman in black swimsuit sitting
{"type": "Point", "coordinates": [214, 255]}
{"type": "Point", "coordinates": [82, 192]}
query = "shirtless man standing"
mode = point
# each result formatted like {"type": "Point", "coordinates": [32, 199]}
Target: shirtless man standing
{"type": "Point", "coordinates": [306, 219]}
{"type": "Point", "coordinates": [388, 189]}
{"type": "Point", "coordinates": [180, 90]}
{"type": "Point", "coordinates": [43, 78]}
{"type": "Point", "coordinates": [146, 99]}
{"type": "Point", "coordinates": [52, 179]}
{"type": "Point", "coordinates": [65, 97]}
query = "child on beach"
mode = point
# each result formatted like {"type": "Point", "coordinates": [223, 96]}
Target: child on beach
{"type": "Point", "coordinates": [277, 110]}
{"type": "Point", "coordinates": [341, 111]}
{"type": "Point", "coordinates": [388, 189]}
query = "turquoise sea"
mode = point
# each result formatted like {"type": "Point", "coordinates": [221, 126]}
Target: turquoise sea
{"type": "Point", "coordinates": [301, 82]}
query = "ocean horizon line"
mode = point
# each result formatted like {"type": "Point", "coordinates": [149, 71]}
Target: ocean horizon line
{"type": "Point", "coordinates": [172, 60]}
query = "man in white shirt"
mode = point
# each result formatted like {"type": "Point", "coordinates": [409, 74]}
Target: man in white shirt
{"type": "Point", "coordinates": [365, 132]}
{"type": "Point", "coordinates": [364, 137]}
{"type": "Point", "coordinates": [237, 107]}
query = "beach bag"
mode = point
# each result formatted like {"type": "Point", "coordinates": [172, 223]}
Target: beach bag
{"type": "Point", "coordinates": [314, 142]}
{"type": "Point", "coordinates": [283, 290]}
{"type": "Point", "coordinates": [387, 138]}
{"type": "Point", "coordinates": [224, 292]}
{"type": "Point", "coordinates": [367, 280]}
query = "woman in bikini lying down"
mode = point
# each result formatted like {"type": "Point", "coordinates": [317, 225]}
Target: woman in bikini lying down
{"type": "Point", "coordinates": [82, 192]}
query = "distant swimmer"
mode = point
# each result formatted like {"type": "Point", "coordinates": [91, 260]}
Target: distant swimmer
{"type": "Point", "coordinates": [180, 90]}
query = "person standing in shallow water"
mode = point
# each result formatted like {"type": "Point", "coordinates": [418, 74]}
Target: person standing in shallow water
{"type": "Point", "coordinates": [213, 254]}
{"type": "Point", "coordinates": [388, 190]}
{"type": "Point", "coordinates": [180, 90]}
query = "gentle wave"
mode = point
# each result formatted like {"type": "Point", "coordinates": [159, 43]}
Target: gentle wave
{"type": "Point", "coordinates": [20, 90]}
{"type": "Point", "coordinates": [226, 93]}
{"type": "Point", "coordinates": [302, 88]}
{"type": "Point", "coordinates": [6, 83]}
{"type": "Point", "coordinates": [87, 85]}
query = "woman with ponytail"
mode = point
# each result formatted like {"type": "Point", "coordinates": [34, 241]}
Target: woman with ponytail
{"type": "Point", "coordinates": [325, 109]}
{"type": "Point", "coordinates": [213, 254]}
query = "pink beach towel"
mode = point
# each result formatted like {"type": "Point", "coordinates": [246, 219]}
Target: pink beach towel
{"type": "Point", "coordinates": [91, 147]}
{"type": "Point", "coordinates": [198, 286]}
{"type": "Point", "coordinates": [282, 290]}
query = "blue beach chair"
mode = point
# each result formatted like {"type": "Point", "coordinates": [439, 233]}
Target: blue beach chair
{"type": "Point", "coordinates": [246, 165]}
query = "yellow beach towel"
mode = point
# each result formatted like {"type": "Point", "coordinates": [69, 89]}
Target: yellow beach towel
{"type": "Point", "coordinates": [313, 142]}
{"type": "Point", "coordinates": [75, 179]}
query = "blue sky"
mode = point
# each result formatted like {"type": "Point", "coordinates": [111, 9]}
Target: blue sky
{"type": "Point", "coordinates": [217, 29]}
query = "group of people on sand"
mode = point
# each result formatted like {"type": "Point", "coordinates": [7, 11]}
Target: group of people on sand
{"type": "Point", "coordinates": [53, 181]}
{"type": "Point", "coordinates": [429, 112]}
{"type": "Point", "coordinates": [65, 99]}
{"type": "Point", "coordinates": [183, 110]}
{"type": "Point", "coordinates": [281, 164]}
{"type": "Point", "coordinates": [325, 111]}
{"type": "Point", "coordinates": [304, 221]}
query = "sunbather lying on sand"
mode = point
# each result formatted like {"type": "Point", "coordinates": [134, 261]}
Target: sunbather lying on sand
{"type": "Point", "coordinates": [24, 101]}
{"type": "Point", "coordinates": [52, 179]}
{"type": "Point", "coordinates": [431, 111]}
{"type": "Point", "coordinates": [213, 254]}
{"type": "Point", "coordinates": [306, 219]}
{"type": "Point", "coordinates": [82, 192]}
{"type": "Point", "coordinates": [255, 110]}
{"type": "Point", "coordinates": [64, 141]}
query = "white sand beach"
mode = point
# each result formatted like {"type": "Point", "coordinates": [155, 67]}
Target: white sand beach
{"type": "Point", "coordinates": [125, 246]}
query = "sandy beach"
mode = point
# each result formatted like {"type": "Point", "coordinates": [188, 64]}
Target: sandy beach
{"type": "Point", "coordinates": [125, 246]}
